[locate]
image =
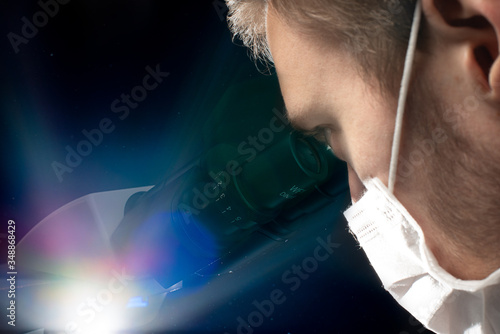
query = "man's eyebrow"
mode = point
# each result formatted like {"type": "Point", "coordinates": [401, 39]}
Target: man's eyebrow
{"type": "Point", "coordinates": [295, 123]}
{"type": "Point", "coordinates": [296, 126]}
{"type": "Point", "coordinates": [310, 132]}
{"type": "Point", "coordinates": [318, 133]}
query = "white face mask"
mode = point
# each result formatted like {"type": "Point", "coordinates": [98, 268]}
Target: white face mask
{"type": "Point", "coordinates": [395, 246]}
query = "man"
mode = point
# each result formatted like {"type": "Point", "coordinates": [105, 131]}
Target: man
{"type": "Point", "coordinates": [340, 64]}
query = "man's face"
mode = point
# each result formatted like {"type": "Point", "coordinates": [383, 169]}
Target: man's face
{"type": "Point", "coordinates": [358, 121]}
{"type": "Point", "coordinates": [324, 88]}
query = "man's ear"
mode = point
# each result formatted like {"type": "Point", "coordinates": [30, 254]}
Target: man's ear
{"type": "Point", "coordinates": [475, 25]}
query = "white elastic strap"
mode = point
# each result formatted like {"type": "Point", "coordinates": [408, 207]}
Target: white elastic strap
{"type": "Point", "coordinates": [405, 84]}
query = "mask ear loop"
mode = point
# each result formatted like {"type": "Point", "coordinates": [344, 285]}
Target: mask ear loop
{"type": "Point", "coordinates": [403, 93]}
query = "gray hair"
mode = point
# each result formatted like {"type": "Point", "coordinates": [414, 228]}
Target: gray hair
{"type": "Point", "coordinates": [247, 21]}
{"type": "Point", "coordinates": [374, 32]}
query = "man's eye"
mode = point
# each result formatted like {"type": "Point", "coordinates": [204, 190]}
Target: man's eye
{"type": "Point", "coordinates": [320, 134]}
{"type": "Point", "coordinates": [323, 135]}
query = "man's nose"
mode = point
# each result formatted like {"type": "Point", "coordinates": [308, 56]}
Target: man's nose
{"type": "Point", "coordinates": [356, 187]}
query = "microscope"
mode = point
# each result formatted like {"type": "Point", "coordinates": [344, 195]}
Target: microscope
{"type": "Point", "coordinates": [255, 175]}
